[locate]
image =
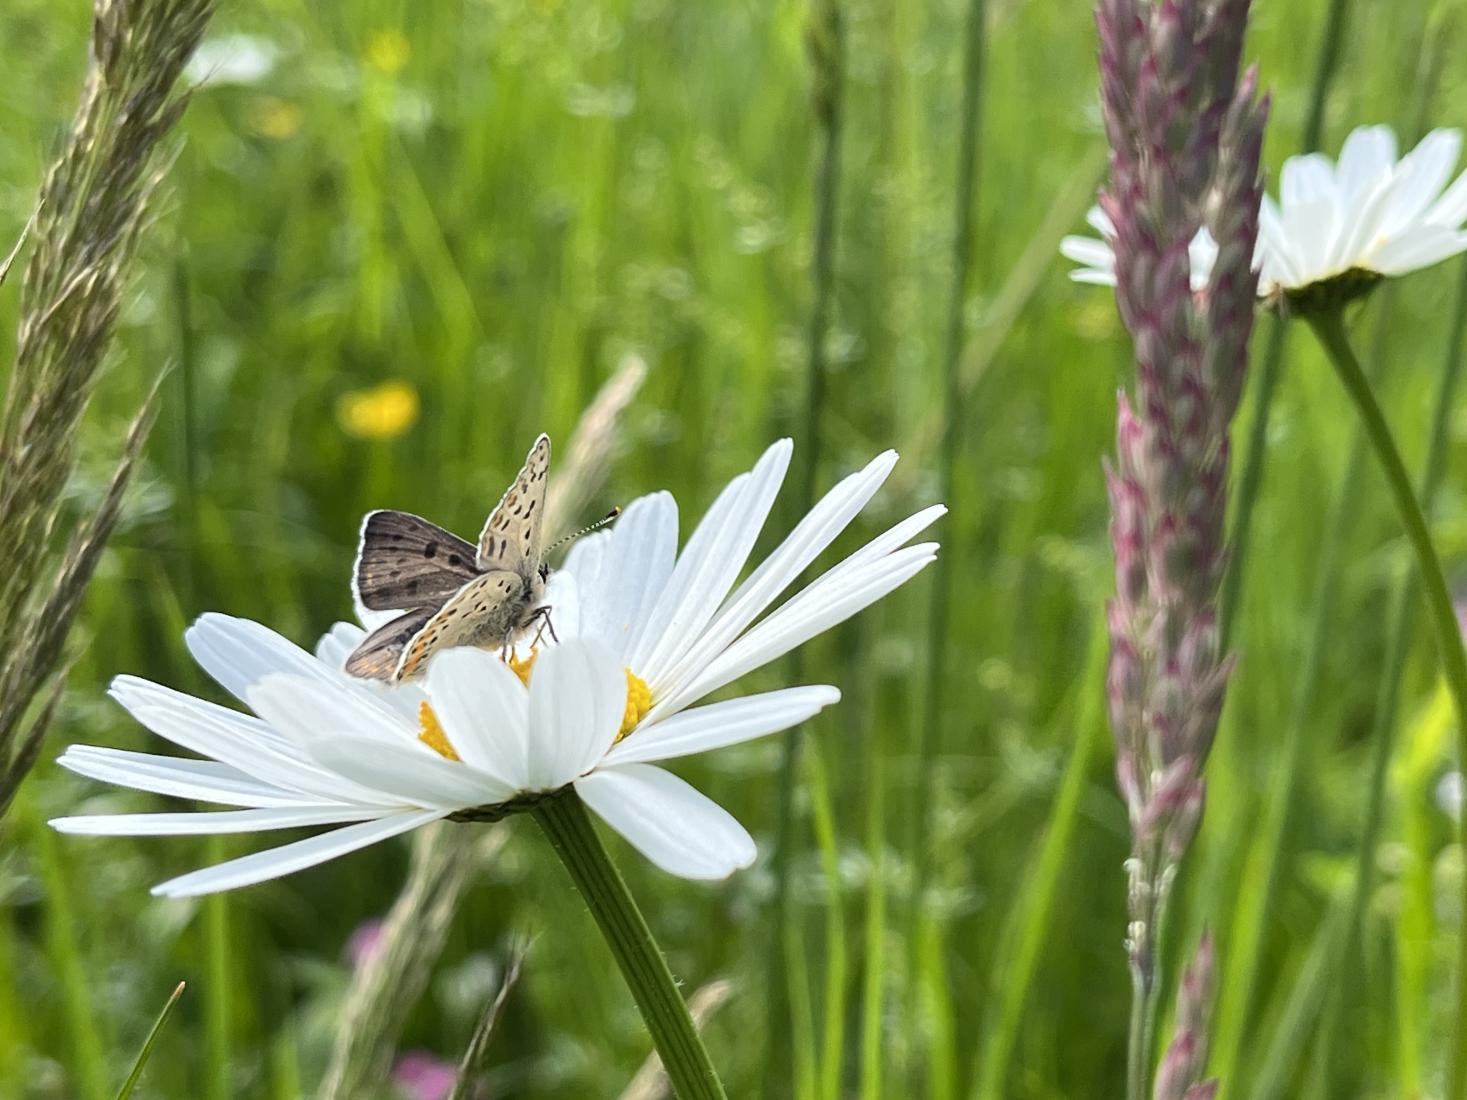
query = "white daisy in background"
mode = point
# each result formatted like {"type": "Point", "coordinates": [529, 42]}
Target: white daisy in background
{"type": "Point", "coordinates": [1097, 259]}
{"type": "Point", "coordinates": [232, 59]}
{"type": "Point", "coordinates": [1338, 227]}
{"type": "Point", "coordinates": [1367, 215]}
{"type": "Point", "coordinates": [645, 633]}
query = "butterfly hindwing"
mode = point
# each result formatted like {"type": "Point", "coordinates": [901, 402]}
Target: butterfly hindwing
{"type": "Point", "coordinates": [485, 612]}
{"type": "Point", "coordinates": [405, 561]}
{"type": "Point", "coordinates": [511, 536]}
{"type": "Point", "coordinates": [381, 651]}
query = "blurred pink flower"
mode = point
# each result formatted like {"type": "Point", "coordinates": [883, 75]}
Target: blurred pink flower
{"type": "Point", "coordinates": [424, 1076]}
{"type": "Point", "coordinates": [363, 942]}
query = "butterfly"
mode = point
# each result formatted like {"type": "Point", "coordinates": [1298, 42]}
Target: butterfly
{"type": "Point", "coordinates": [449, 592]}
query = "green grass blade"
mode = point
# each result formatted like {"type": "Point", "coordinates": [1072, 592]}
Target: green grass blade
{"type": "Point", "coordinates": [146, 1052]}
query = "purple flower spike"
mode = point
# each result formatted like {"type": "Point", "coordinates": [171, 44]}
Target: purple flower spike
{"type": "Point", "coordinates": [1186, 132]}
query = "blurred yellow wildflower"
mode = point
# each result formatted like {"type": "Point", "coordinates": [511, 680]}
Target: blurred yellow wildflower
{"type": "Point", "coordinates": [275, 118]}
{"type": "Point", "coordinates": [388, 51]}
{"type": "Point", "coordinates": [381, 412]}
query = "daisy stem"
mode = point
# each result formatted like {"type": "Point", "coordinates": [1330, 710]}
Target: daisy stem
{"type": "Point", "coordinates": [568, 827]}
{"type": "Point", "coordinates": [1329, 327]}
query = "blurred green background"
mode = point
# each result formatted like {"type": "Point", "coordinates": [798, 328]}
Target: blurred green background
{"type": "Point", "coordinates": [417, 234]}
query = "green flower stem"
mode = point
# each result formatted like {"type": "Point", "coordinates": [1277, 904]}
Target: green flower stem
{"type": "Point", "coordinates": [1330, 329]}
{"type": "Point", "coordinates": [568, 826]}
{"type": "Point", "coordinates": [1383, 728]}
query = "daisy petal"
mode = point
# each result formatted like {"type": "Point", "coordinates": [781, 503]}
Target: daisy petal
{"type": "Point", "coordinates": [238, 740]}
{"type": "Point", "coordinates": [1099, 221]}
{"type": "Point", "coordinates": [1418, 247]}
{"type": "Point", "coordinates": [811, 536]}
{"type": "Point", "coordinates": [1089, 251]}
{"type": "Point", "coordinates": [1307, 180]}
{"type": "Point", "coordinates": [238, 653]}
{"type": "Point", "coordinates": [1366, 160]}
{"type": "Point", "coordinates": [1422, 173]}
{"type": "Point", "coordinates": [709, 564]}
{"type": "Point", "coordinates": [409, 777]}
{"type": "Point", "coordinates": [630, 572]}
{"type": "Point", "coordinates": [335, 646]}
{"type": "Point", "coordinates": [212, 824]}
{"type": "Point", "coordinates": [204, 780]}
{"type": "Point", "coordinates": [483, 709]}
{"type": "Point", "coordinates": [289, 858]}
{"type": "Point", "coordinates": [578, 695]}
{"type": "Point", "coordinates": [719, 725]}
{"type": "Point", "coordinates": [832, 599]}
{"type": "Point", "coordinates": [675, 826]}
{"type": "Point", "coordinates": [1451, 209]}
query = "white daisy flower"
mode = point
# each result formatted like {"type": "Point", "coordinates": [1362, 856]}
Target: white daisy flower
{"type": "Point", "coordinates": [645, 633]}
{"type": "Point", "coordinates": [1338, 226]}
{"type": "Point", "coordinates": [1368, 214]}
{"type": "Point", "coordinates": [1097, 259]}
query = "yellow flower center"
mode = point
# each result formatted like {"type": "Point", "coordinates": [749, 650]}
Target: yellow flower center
{"type": "Point", "coordinates": [639, 702]}
{"type": "Point", "coordinates": [523, 666]}
{"type": "Point", "coordinates": [431, 733]}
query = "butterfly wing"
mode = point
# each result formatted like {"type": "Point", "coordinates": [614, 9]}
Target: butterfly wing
{"type": "Point", "coordinates": [485, 612]}
{"type": "Point", "coordinates": [380, 652]}
{"type": "Point", "coordinates": [511, 536]}
{"type": "Point", "coordinates": [405, 561]}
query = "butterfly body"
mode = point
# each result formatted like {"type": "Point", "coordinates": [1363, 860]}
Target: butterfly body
{"type": "Point", "coordinates": [449, 592]}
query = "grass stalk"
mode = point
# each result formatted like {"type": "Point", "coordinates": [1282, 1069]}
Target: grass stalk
{"type": "Point", "coordinates": [88, 1077]}
{"type": "Point", "coordinates": [1329, 328]}
{"type": "Point", "coordinates": [84, 235]}
{"type": "Point", "coordinates": [218, 1015]}
{"type": "Point", "coordinates": [931, 715]}
{"type": "Point", "coordinates": [141, 1062]}
{"type": "Point", "coordinates": [825, 41]}
{"type": "Point", "coordinates": [929, 737]}
{"type": "Point", "coordinates": [1027, 926]}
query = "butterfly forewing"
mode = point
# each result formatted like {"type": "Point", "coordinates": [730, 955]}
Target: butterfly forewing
{"type": "Point", "coordinates": [405, 561]}
{"type": "Point", "coordinates": [381, 651]}
{"type": "Point", "coordinates": [511, 536]}
{"type": "Point", "coordinates": [485, 612]}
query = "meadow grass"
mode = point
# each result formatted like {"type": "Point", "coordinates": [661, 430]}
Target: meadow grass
{"type": "Point", "coordinates": [496, 202]}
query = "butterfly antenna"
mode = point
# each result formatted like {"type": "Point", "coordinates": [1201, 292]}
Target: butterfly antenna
{"type": "Point", "coordinates": [600, 523]}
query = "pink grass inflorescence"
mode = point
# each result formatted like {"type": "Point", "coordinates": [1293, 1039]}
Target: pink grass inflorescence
{"type": "Point", "coordinates": [1185, 131]}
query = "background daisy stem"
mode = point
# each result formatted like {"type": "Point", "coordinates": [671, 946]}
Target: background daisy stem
{"type": "Point", "coordinates": [568, 827]}
{"type": "Point", "coordinates": [1330, 329]}
{"type": "Point", "coordinates": [1387, 718]}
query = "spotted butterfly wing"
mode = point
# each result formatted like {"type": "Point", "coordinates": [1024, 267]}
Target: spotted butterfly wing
{"type": "Point", "coordinates": [406, 562]}
{"type": "Point", "coordinates": [485, 612]}
{"type": "Point", "coordinates": [380, 652]}
{"type": "Point", "coordinates": [511, 536]}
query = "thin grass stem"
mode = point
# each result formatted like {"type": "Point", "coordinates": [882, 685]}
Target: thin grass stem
{"type": "Point", "coordinates": [826, 43]}
{"type": "Point", "coordinates": [932, 714]}
{"type": "Point", "coordinates": [141, 1062]}
{"type": "Point", "coordinates": [1027, 927]}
